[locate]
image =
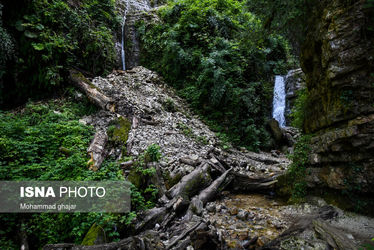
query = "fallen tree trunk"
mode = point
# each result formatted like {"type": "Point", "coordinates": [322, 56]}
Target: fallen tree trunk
{"type": "Point", "coordinates": [218, 185]}
{"type": "Point", "coordinates": [192, 183]}
{"type": "Point", "coordinates": [152, 216]}
{"type": "Point", "coordinates": [97, 150]}
{"type": "Point", "coordinates": [245, 183]}
{"type": "Point", "coordinates": [199, 201]}
{"type": "Point", "coordinates": [91, 91]}
{"type": "Point", "coordinates": [189, 161]}
{"type": "Point", "coordinates": [184, 234]}
{"type": "Point", "coordinates": [334, 237]}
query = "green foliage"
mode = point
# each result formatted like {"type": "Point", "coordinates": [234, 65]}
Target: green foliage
{"type": "Point", "coordinates": [293, 182]}
{"type": "Point", "coordinates": [187, 131]}
{"type": "Point", "coordinates": [288, 17]}
{"type": "Point", "coordinates": [53, 36]}
{"type": "Point", "coordinates": [169, 105]}
{"type": "Point", "coordinates": [299, 108]}
{"type": "Point", "coordinates": [152, 154]}
{"type": "Point", "coordinates": [31, 143]}
{"type": "Point", "coordinates": [215, 53]}
{"type": "Point", "coordinates": [45, 141]}
{"type": "Point", "coordinates": [368, 246]}
{"type": "Point", "coordinates": [144, 193]}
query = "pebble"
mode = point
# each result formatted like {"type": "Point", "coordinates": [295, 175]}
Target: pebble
{"type": "Point", "coordinates": [242, 214]}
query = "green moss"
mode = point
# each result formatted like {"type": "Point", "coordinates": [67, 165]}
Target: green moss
{"type": "Point", "coordinates": [119, 131]}
{"type": "Point", "coordinates": [196, 184]}
{"type": "Point", "coordinates": [293, 183]}
{"type": "Point", "coordinates": [171, 181]}
{"type": "Point", "coordinates": [94, 236]}
{"type": "Point", "coordinates": [135, 178]}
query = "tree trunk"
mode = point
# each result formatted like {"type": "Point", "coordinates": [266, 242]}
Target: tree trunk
{"type": "Point", "coordinates": [91, 91]}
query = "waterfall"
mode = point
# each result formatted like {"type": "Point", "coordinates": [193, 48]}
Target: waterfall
{"type": "Point", "coordinates": [131, 7]}
{"type": "Point", "coordinates": [279, 100]}
{"type": "Point", "coordinates": [123, 38]}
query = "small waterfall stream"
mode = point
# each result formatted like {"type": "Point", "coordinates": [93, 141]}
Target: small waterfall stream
{"type": "Point", "coordinates": [123, 38]}
{"type": "Point", "coordinates": [279, 100]}
{"type": "Point", "coordinates": [131, 8]}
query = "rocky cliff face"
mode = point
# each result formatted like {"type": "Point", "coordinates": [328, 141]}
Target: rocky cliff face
{"type": "Point", "coordinates": [337, 59]}
{"type": "Point", "coordinates": [294, 81]}
{"type": "Point", "coordinates": [135, 11]}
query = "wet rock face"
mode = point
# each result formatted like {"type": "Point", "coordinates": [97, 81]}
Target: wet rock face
{"type": "Point", "coordinates": [137, 10]}
{"type": "Point", "coordinates": [132, 39]}
{"type": "Point", "coordinates": [337, 59]}
{"type": "Point", "coordinates": [294, 81]}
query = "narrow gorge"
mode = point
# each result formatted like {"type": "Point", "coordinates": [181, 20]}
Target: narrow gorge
{"type": "Point", "coordinates": [234, 127]}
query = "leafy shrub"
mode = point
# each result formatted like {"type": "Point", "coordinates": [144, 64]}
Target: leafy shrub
{"type": "Point", "coordinates": [45, 141]}
{"type": "Point", "coordinates": [293, 183]}
{"type": "Point", "coordinates": [214, 52]}
{"type": "Point", "coordinates": [53, 36]}
{"type": "Point", "coordinates": [145, 193]}
{"type": "Point", "coordinates": [153, 154]}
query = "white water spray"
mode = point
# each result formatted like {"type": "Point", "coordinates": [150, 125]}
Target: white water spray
{"type": "Point", "coordinates": [279, 101]}
{"type": "Point", "coordinates": [123, 38]}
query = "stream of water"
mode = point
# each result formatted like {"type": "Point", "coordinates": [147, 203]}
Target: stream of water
{"type": "Point", "coordinates": [123, 37]}
{"type": "Point", "coordinates": [279, 101]}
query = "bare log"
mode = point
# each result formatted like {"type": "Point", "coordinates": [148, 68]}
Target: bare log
{"type": "Point", "coordinates": [218, 185]}
{"type": "Point", "coordinates": [215, 159]}
{"type": "Point", "coordinates": [192, 183]}
{"type": "Point", "coordinates": [334, 237]}
{"type": "Point", "coordinates": [245, 183]}
{"type": "Point", "coordinates": [189, 161]}
{"type": "Point", "coordinates": [97, 150]}
{"type": "Point", "coordinates": [127, 164]}
{"type": "Point", "coordinates": [149, 122]}
{"type": "Point", "coordinates": [152, 216]}
{"type": "Point", "coordinates": [91, 91]}
{"type": "Point", "coordinates": [184, 234]}
{"type": "Point", "coordinates": [217, 167]}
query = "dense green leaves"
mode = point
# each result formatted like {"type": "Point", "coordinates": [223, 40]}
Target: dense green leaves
{"type": "Point", "coordinates": [45, 141]}
{"type": "Point", "coordinates": [52, 36]}
{"type": "Point", "coordinates": [218, 57]}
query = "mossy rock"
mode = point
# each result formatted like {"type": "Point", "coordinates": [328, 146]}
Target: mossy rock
{"type": "Point", "coordinates": [94, 236]}
{"type": "Point", "coordinates": [284, 186]}
{"type": "Point", "coordinates": [196, 184]}
{"type": "Point", "coordinates": [171, 181]}
{"type": "Point", "coordinates": [118, 132]}
{"type": "Point", "coordinates": [135, 178]}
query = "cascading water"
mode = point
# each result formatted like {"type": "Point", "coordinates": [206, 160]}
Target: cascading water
{"type": "Point", "coordinates": [131, 7]}
{"type": "Point", "coordinates": [279, 101]}
{"type": "Point", "coordinates": [123, 38]}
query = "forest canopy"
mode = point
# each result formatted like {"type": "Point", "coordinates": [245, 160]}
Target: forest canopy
{"type": "Point", "coordinates": [217, 54]}
{"type": "Point", "coordinates": [43, 39]}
